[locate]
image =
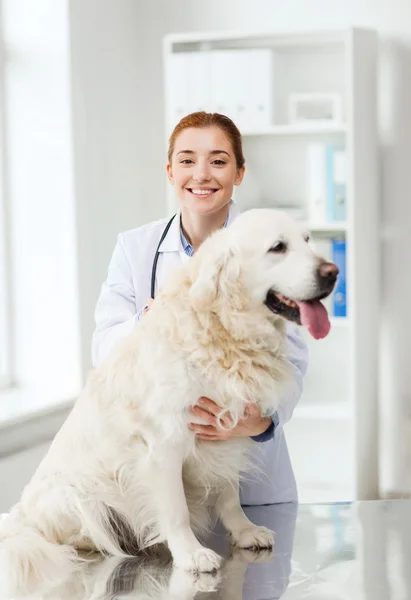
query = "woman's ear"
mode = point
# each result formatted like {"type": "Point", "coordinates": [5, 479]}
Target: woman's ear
{"type": "Point", "coordinates": [239, 175]}
{"type": "Point", "coordinates": [170, 173]}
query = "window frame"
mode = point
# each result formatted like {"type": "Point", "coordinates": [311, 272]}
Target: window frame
{"type": "Point", "coordinates": [5, 300]}
{"type": "Point", "coordinates": [6, 350]}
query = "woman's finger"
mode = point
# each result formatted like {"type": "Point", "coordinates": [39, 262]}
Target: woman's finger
{"type": "Point", "coordinates": [252, 411]}
{"type": "Point", "coordinates": [226, 421]}
{"type": "Point", "coordinates": [209, 405]}
{"type": "Point", "coordinates": [204, 415]}
{"type": "Point", "coordinates": [206, 429]}
{"type": "Point", "coordinates": [214, 409]}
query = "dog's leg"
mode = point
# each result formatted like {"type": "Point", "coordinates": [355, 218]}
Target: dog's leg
{"type": "Point", "coordinates": [233, 576]}
{"type": "Point", "coordinates": [184, 585]}
{"type": "Point", "coordinates": [243, 532]}
{"type": "Point", "coordinates": [174, 518]}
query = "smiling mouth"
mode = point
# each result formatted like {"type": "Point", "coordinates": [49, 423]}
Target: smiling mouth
{"type": "Point", "coordinates": [310, 313]}
{"type": "Point", "coordinates": [202, 192]}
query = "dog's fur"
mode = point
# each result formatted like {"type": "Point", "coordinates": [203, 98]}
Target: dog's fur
{"type": "Point", "coordinates": [124, 467]}
{"type": "Point", "coordinates": [154, 578]}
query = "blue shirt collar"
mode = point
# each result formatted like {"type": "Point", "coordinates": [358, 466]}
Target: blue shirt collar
{"type": "Point", "coordinates": [187, 247]}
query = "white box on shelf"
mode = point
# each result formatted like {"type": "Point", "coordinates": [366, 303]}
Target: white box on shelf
{"type": "Point", "coordinates": [315, 108]}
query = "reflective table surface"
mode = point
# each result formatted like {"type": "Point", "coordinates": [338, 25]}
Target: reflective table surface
{"type": "Point", "coordinates": [359, 551]}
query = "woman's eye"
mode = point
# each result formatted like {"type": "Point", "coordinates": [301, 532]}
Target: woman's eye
{"type": "Point", "coordinates": [186, 161]}
{"type": "Point", "coordinates": [279, 248]}
{"type": "Point", "coordinates": [219, 162]}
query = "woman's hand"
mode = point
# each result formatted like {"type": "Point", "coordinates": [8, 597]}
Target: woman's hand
{"type": "Point", "coordinates": [252, 424]}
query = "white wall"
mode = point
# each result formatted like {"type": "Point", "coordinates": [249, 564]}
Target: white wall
{"type": "Point", "coordinates": [117, 121]}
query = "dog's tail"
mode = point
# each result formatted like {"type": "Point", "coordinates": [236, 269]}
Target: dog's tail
{"type": "Point", "coordinates": [29, 562]}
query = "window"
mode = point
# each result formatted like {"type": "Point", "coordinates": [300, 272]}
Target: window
{"type": "Point", "coordinates": [5, 363]}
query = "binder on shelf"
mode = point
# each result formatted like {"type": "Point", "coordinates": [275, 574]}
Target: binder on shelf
{"type": "Point", "coordinates": [340, 292]}
{"type": "Point", "coordinates": [188, 79]}
{"type": "Point", "coordinates": [326, 183]}
{"type": "Point", "coordinates": [336, 183]}
{"type": "Point", "coordinates": [316, 183]}
{"type": "Point", "coordinates": [260, 88]}
{"type": "Point", "coordinates": [236, 83]}
{"type": "Point", "coordinates": [334, 250]}
{"type": "Point", "coordinates": [241, 86]}
{"type": "Point", "coordinates": [197, 79]}
{"type": "Point", "coordinates": [323, 247]}
{"type": "Point", "coordinates": [229, 86]}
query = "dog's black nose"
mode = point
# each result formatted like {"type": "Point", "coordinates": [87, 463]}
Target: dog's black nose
{"type": "Point", "coordinates": [328, 272]}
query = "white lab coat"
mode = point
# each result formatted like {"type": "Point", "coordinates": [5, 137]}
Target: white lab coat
{"type": "Point", "coordinates": [125, 293]}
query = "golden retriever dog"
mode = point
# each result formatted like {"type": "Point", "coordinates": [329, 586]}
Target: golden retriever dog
{"type": "Point", "coordinates": [125, 471]}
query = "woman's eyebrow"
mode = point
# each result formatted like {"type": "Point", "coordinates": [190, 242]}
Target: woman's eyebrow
{"type": "Point", "coordinates": [219, 152]}
{"type": "Point", "coordinates": [186, 152]}
{"type": "Point", "coordinates": [212, 152]}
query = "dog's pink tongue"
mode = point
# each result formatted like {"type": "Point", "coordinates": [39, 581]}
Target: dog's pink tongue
{"type": "Point", "coordinates": [314, 316]}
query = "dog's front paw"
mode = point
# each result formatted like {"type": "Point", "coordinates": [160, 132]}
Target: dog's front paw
{"type": "Point", "coordinates": [208, 582]}
{"type": "Point", "coordinates": [185, 584]}
{"type": "Point", "coordinates": [251, 555]}
{"type": "Point", "coordinates": [201, 560]}
{"type": "Point", "coordinates": [254, 538]}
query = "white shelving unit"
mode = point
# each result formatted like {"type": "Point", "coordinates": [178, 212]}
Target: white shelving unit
{"type": "Point", "coordinates": [333, 434]}
{"type": "Point", "coordinates": [291, 130]}
{"type": "Point", "coordinates": [337, 227]}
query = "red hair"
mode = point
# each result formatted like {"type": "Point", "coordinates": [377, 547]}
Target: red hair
{"type": "Point", "coordinates": [203, 119]}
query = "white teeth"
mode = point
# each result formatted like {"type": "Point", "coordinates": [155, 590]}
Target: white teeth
{"type": "Point", "coordinates": [202, 192]}
{"type": "Point", "coordinates": [287, 301]}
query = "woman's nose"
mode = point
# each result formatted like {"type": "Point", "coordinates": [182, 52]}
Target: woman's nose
{"type": "Point", "coordinates": [201, 173]}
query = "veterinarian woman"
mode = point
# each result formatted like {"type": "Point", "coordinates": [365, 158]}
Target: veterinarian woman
{"type": "Point", "coordinates": [205, 162]}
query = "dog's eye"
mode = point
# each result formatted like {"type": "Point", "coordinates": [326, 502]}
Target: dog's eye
{"type": "Point", "coordinates": [279, 248]}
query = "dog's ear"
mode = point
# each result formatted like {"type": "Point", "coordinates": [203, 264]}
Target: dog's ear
{"type": "Point", "coordinates": [211, 274]}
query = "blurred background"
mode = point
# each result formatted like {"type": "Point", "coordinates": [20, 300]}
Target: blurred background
{"type": "Point", "coordinates": [86, 105]}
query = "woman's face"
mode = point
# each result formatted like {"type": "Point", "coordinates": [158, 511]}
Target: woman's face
{"type": "Point", "coordinates": [203, 169]}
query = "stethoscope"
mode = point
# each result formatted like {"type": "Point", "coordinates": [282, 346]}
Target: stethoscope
{"type": "Point", "coordinates": [157, 254]}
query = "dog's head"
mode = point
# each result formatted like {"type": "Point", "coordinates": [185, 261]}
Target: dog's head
{"type": "Point", "coordinates": [263, 258]}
